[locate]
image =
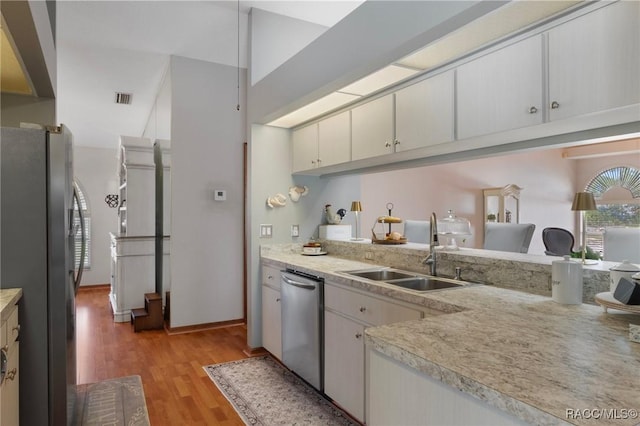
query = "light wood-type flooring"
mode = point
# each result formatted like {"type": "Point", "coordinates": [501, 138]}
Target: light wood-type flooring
{"type": "Point", "coordinates": [177, 390]}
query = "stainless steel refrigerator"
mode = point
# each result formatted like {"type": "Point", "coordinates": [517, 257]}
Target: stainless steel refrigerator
{"type": "Point", "coordinates": [38, 231]}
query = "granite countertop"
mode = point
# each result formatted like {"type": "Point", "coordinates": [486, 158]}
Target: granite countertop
{"type": "Point", "coordinates": [519, 352]}
{"type": "Point", "coordinates": [8, 298]}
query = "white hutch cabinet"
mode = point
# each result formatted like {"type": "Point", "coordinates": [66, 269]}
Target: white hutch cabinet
{"type": "Point", "coordinates": [133, 247]}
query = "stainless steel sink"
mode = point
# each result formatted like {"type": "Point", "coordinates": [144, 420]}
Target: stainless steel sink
{"type": "Point", "coordinates": [381, 274]}
{"type": "Point", "coordinates": [407, 280]}
{"type": "Point", "coordinates": [425, 283]}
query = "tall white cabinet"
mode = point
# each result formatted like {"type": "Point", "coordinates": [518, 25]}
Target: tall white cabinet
{"type": "Point", "coordinates": [133, 246]}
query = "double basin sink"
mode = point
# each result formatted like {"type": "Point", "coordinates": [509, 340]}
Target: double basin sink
{"type": "Point", "coordinates": [407, 280]}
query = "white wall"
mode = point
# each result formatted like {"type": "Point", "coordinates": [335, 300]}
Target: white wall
{"type": "Point", "coordinates": [276, 38]}
{"type": "Point", "coordinates": [96, 169]}
{"type": "Point", "coordinates": [207, 136]}
{"type": "Point", "coordinates": [270, 173]}
{"type": "Point", "coordinates": [159, 122]}
{"type": "Point", "coordinates": [547, 179]}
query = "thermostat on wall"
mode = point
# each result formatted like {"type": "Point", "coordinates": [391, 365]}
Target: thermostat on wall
{"type": "Point", "coordinates": [220, 195]}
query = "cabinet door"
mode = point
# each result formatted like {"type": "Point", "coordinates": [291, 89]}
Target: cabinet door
{"type": "Point", "coordinates": [344, 363]}
{"type": "Point", "coordinates": [334, 139]}
{"type": "Point", "coordinates": [424, 113]}
{"type": "Point", "coordinates": [501, 91]}
{"type": "Point", "coordinates": [372, 128]}
{"type": "Point", "coordinates": [9, 391]}
{"type": "Point", "coordinates": [593, 61]}
{"type": "Point", "coordinates": [271, 321]}
{"type": "Point", "coordinates": [305, 148]}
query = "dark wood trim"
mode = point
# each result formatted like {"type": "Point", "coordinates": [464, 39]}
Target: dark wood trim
{"type": "Point", "coordinates": [253, 352]}
{"type": "Point", "coordinates": [244, 230]}
{"type": "Point", "coordinates": [94, 287]}
{"type": "Point", "coordinates": [201, 327]}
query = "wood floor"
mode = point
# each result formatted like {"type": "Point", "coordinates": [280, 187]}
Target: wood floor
{"type": "Point", "coordinates": [177, 390]}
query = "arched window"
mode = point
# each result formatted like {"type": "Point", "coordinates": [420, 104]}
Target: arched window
{"type": "Point", "coordinates": [87, 228]}
{"type": "Point", "coordinates": [617, 194]}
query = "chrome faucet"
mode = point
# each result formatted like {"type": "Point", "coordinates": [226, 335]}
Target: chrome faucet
{"type": "Point", "coordinates": [433, 242]}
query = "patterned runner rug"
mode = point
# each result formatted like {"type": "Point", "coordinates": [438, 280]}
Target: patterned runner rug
{"type": "Point", "coordinates": [263, 392]}
{"type": "Point", "coordinates": [111, 402]}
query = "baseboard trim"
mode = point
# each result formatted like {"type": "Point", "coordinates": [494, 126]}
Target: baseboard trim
{"type": "Point", "coordinates": [254, 352]}
{"type": "Point", "coordinates": [202, 327]}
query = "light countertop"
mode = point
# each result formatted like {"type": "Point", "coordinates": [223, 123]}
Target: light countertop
{"type": "Point", "coordinates": [519, 352]}
{"type": "Point", "coordinates": [8, 298]}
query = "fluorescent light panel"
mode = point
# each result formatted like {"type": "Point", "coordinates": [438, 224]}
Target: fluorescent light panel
{"type": "Point", "coordinates": [331, 101]}
{"type": "Point", "coordinates": [379, 80]}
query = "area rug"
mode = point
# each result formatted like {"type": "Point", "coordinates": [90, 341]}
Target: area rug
{"type": "Point", "coordinates": [111, 402]}
{"type": "Point", "coordinates": [263, 392]}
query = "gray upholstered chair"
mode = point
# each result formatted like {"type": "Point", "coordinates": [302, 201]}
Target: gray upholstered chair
{"type": "Point", "coordinates": [621, 244]}
{"type": "Point", "coordinates": [417, 231]}
{"type": "Point", "coordinates": [513, 237]}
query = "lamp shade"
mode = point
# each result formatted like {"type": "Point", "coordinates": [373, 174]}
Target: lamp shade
{"type": "Point", "coordinates": [356, 206]}
{"type": "Point", "coordinates": [584, 201]}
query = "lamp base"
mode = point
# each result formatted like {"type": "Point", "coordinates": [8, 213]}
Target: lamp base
{"type": "Point", "coordinates": [356, 239]}
{"type": "Point", "coordinates": [586, 261]}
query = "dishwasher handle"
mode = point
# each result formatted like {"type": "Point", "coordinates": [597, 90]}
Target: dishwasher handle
{"type": "Point", "coordinates": [298, 283]}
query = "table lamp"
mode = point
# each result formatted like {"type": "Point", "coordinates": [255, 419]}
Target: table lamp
{"type": "Point", "coordinates": [582, 202]}
{"type": "Point", "coordinates": [356, 207]}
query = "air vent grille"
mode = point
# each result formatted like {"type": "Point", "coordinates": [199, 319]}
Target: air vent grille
{"type": "Point", "coordinates": [123, 98]}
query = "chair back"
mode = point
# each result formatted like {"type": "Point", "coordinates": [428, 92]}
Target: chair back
{"type": "Point", "coordinates": [513, 237]}
{"type": "Point", "coordinates": [417, 231]}
{"type": "Point", "coordinates": [621, 244]}
{"type": "Point", "coordinates": [557, 241]}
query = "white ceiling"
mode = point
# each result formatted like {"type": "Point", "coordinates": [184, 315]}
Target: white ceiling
{"type": "Point", "coordinates": [105, 47]}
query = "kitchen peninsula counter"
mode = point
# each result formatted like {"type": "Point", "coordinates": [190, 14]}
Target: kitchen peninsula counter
{"type": "Point", "coordinates": [8, 298]}
{"type": "Point", "coordinates": [521, 353]}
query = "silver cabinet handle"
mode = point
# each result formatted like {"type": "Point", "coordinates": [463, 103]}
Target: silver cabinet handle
{"type": "Point", "coordinates": [298, 284]}
{"type": "Point", "coordinates": [396, 142]}
{"type": "Point", "coordinates": [313, 161]}
{"type": "Point", "coordinates": [555, 105]}
{"type": "Point", "coordinates": [269, 277]}
{"type": "Point", "coordinates": [533, 110]}
{"type": "Point", "coordinates": [11, 374]}
{"type": "Point", "coordinates": [387, 144]}
{"type": "Point", "coordinates": [358, 335]}
{"type": "Point", "coordinates": [278, 299]}
{"type": "Point", "coordinates": [363, 308]}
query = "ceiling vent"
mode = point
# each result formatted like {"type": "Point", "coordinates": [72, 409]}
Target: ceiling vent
{"type": "Point", "coordinates": [123, 98]}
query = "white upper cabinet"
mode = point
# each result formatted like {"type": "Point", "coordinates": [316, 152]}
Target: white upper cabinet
{"type": "Point", "coordinates": [594, 61]}
{"type": "Point", "coordinates": [372, 128]}
{"type": "Point", "coordinates": [305, 148]}
{"type": "Point", "coordinates": [501, 91]}
{"type": "Point", "coordinates": [424, 113]}
{"type": "Point", "coordinates": [334, 140]}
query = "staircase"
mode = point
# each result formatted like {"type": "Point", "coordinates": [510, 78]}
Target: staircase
{"type": "Point", "coordinates": [150, 317]}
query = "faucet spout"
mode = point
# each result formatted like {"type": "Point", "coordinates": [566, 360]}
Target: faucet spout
{"type": "Point", "coordinates": [433, 243]}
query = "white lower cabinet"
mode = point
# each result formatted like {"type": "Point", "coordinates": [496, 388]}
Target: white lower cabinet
{"type": "Point", "coordinates": [347, 313]}
{"type": "Point", "coordinates": [271, 314]}
{"type": "Point", "coordinates": [399, 395]}
{"type": "Point", "coordinates": [271, 321]}
{"type": "Point", "coordinates": [344, 363]}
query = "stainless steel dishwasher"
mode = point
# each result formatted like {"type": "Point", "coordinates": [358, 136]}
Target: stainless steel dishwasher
{"type": "Point", "coordinates": [302, 304]}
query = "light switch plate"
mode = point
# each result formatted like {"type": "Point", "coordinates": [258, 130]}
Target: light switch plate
{"type": "Point", "coordinates": [220, 195]}
{"type": "Point", "coordinates": [266, 230]}
{"type": "Point", "coordinates": [295, 230]}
